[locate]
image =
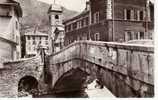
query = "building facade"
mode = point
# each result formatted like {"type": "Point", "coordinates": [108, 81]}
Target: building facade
{"type": "Point", "coordinates": [78, 27]}
{"type": "Point", "coordinates": [112, 20]}
{"type": "Point", "coordinates": [32, 41]}
{"type": "Point", "coordinates": [56, 33]}
{"type": "Point", "coordinates": [10, 49]}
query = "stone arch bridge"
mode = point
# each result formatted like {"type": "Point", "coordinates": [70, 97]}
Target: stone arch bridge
{"type": "Point", "coordinates": [127, 70]}
{"type": "Point", "coordinates": [14, 71]}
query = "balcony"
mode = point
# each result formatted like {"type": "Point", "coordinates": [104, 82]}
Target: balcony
{"type": "Point", "coordinates": [9, 38]}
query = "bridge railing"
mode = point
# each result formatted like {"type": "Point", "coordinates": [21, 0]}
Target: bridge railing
{"type": "Point", "coordinates": [136, 60]}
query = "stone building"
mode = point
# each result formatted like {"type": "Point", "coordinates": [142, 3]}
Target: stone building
{"type": "Point", "coordinates": [10, 49]}
{"type": "Point", "coordinates": [77, 28]}
{"type": "Point", "coordinates": [111, 20]}
{"type": "Point", "coordinates": [56, 34]}
{"type": "Point", "coordinates": [32, 41]}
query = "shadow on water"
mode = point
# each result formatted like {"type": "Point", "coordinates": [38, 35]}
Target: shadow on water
{"type": "Point", "coordinates": [75, 94]}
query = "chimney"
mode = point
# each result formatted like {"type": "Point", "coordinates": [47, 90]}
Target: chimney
{"type": "Point", "coordinates": [87, 5]}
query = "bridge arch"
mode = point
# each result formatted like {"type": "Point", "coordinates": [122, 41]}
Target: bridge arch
{"type": "Point", "coordinates": [28, 84]}
{"type": "Point", "coordinates": [72, 80]}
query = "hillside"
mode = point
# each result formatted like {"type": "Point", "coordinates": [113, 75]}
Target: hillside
{"type": "Point", "coordinates": [35, 13]}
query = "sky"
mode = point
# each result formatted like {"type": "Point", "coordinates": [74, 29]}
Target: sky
{"type": "Point", "coordinates": [77, 5]}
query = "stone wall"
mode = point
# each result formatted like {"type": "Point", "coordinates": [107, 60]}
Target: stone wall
{"type": "Point", "coordinates": [126, 69]}
{"type": "Point", "coordinates": [13, 71]}
{"type": "Point", "coordinates": [6, 51]}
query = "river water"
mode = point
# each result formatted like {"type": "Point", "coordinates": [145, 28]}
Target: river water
{"type": "Point", "coordinates": [91, 92]}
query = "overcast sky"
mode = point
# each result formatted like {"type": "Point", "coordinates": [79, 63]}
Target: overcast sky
{"type": "Point", "coordinates": [77, 5]}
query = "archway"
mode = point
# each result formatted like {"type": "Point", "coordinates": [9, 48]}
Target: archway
{"type": "Point", "coordinates": [27, 85]}
{"type": "Point", "coordinates": [71, 84]}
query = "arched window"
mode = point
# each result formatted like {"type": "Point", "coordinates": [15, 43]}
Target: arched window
{"type": "Point", "coordinates": [56, 16]}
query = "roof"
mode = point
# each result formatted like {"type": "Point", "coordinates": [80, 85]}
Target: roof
{"type": "Point", "coordinates": [37, 33]}
{"type": "Point", "coordinates": [60, 28]}
{"type": "Point", "coordinates": [55, 7]}
{"type": "Point", "coordinates": [85, 12]}
{"type": "Point", "coordinates": [14, 3]}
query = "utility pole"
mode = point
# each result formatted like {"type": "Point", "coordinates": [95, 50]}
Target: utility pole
{"type": "Point", "coordinates": [113, 21]}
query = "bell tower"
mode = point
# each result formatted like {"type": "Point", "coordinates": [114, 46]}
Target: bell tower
{"type": "Point", "coordinates": [55, 14]}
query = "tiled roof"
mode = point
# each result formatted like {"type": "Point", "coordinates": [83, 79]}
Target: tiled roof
{"type": "Point", "coordinates": [37, 33]}
{"type": "Point", "coordinates": [55, 7]}
{"type": "Point", "coordinates": [85, 12]}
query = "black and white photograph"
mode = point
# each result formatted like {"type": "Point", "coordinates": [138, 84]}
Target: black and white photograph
{"type": "Point", "coordinates": [77, 49]}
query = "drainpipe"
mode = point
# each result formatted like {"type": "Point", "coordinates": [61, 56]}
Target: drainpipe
{"type": "Point", "coordinates": [113, 19]}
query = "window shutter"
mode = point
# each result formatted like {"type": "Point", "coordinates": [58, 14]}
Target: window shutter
{"type": "Point", "coordinates": [138, 15]}
{"type": "Point", "coordinates": [125, 14]}
{"type": "Point", "coordinates": [132, 14]}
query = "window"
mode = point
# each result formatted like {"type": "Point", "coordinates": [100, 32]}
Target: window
{"type": "Point", "coordinates": [141, 15]}
{"type": "Point", "coordinates": [69, 27]}
{"type": "Point", "coordinates": [96, 17]}
{"type": "Point", "coordinates": [17, 25]}
{"type": "Point", "coordinates": [138, 16]}
{"type": "Point", "coordinates": [18, 39]}
{"type": "Point", "coordinates": [46, 42]}
{"type": "Point", "coordinates": [74, 26]}
{"type": "Point", "coordinates": [40, 42]}
{"type": "Point", "coordinates": [87, 21]}
{"type": "Point", "coordinates": [34, 42]}
{"type": "Point", "coordinates": [33, 38]}
{"type": "Point", "coordinates": [128, 35]}
{"type": "Point", "coordinates": [128, 14]}
{"type": "Point", "coordinates": [132, 14]}
{"type": "Point", "coordinates": [136, 35]}
{"type": "Point", "coordinates": [56, 16]}
{"type": "Point", "coordinates": [82, 23]}
{"type": "Point", "coordinates": [66, 28]}
{"type": "Point", "coordinates": [97, 36]}
{"type": "Point", "coordinates": [78, 26]}
{"type": "Point", "coordinates": [46, 38]}
{"type": "Point", "coordinates": [49, 18]}
{"type": "Point", "coordinates": [28, 37]}
{"type": "Point", "coordinates": [142, 35]}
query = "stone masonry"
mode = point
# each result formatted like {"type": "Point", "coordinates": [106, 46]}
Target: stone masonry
{"type": "Point", "coordinates": [13, 71]}
{"type": "Point", "coordinates": [127, 70]}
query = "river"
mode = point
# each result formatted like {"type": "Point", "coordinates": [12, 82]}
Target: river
{"type": "Point", "coordinates": [90, 92]}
